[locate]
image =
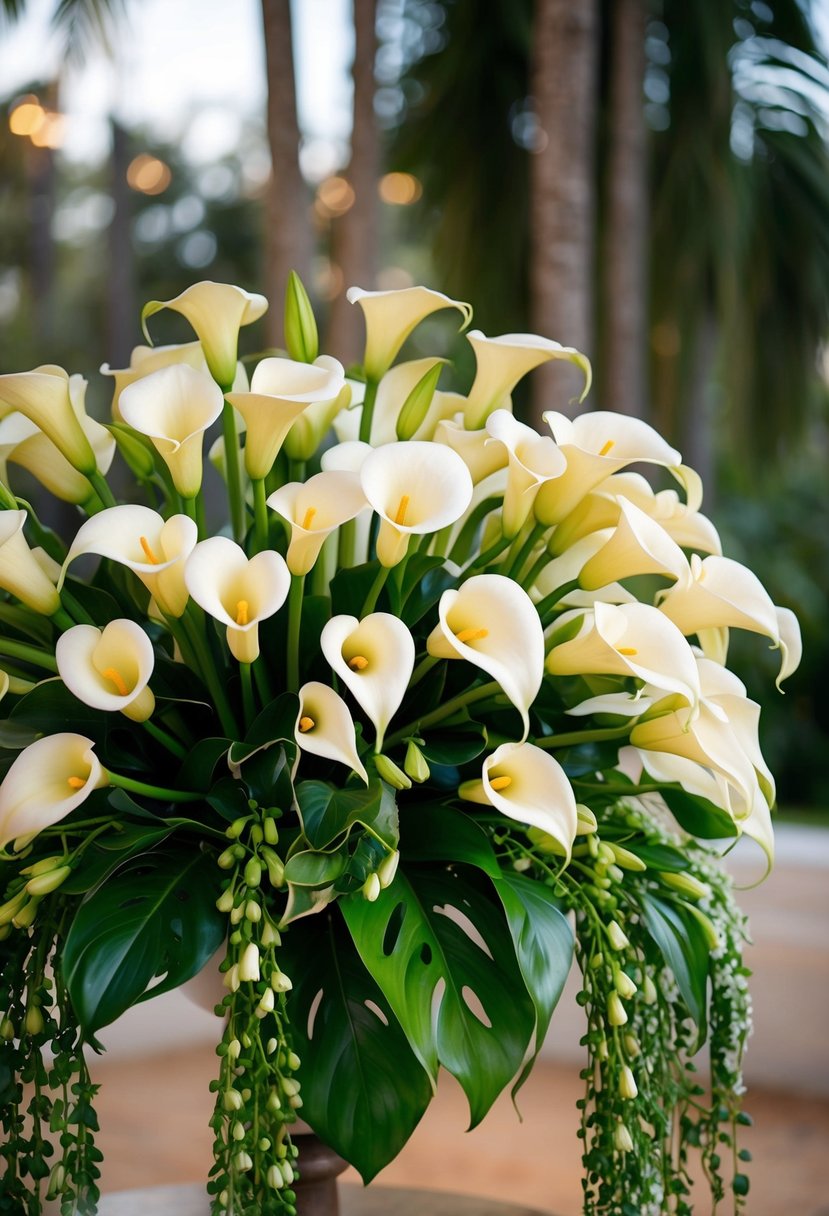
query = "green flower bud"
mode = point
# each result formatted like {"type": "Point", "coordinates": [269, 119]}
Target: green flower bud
{"type": "Point", "coordinates": [226, 860]}
{"type": "Point", "coordinates": [243, 1162]}
{"type": "Point", "coordinates": [34, 1022]}
{"type": "Point", "coordinates": [415, 764]}
{"type": "Point", "coordinates": [6, 1029]}
{"type": "Point", "coordinates": [135, 450]}
{"type": "Point", "coordinates": [280, 982]}
{"type": "Point", "coordinates": [416, 406]}
{"type": "Point", "coordinates": [626, 859]}
{"type": "Point", "coordinates": [301, 337]}
{"type": "Point", "coordinates": [270, 831]}
{"type": "Point", "coordinates": [234, 1049]}
{"type": "Point", "coordinates": [237, 827]}
{"type": "Point", "coordinates": [237, 1131]}
{"type": "Point", "coordinates": [256, 834]}
{"type": "Point", "coordinates": [274, 1177]}
{"type": "Point", "coordinates": [627, 1083]}
{"type": "Point", "coordinates": [616, 1012]}
{"type": "Point", "coordinates": [391, 774]}
{"type": "Point", "coordinates": [293, 1061]}
{"type": "Point", "coordinates": [44, 884]}
{"type": "Point", "coordinates": [586, 822]}
{"type": "Point", "coordinates": [266, 1003]}
{"type": "Point", "coordinates": [388, 868]}
{"type": "Point", "coordinates": [624, 985]}
{"type": "Point", "coordinates": [686, 884]}
{"type": "Point", "coordinates": [287, 1172]}
{"type": "Point", "coordinates": [616, 937]}
{"type": "Point", "coordinates": [10, 909]}
{"type": "Point", "coordinates": [253, 872]}
{"type": "Point", "coordinates": [270, 935]}
{"type": "Point", "coordinates": [253, 912]}
{"type": "Point", "coordinates": [271, 1046]}
{"type": "Point", "coordinates": [632, 1046]}
{"type": "Point", "coordinates": [712, 937]}
{"type": "Point", "coordinates": [274, 1102]}
{"type": "Point", "coordinates": [276, 867]}
{"type": "Point", "coordinates": [225, 901]}
{"type": "Point", "coordinates": [649, 993]}
{"type": "Point", "coordinates": [371, 888]}
{"type": "Point", "coordinates": [25, 918]}
{"type": "Point", "coordinates": [232, 1100]}
{"type": "Point", "coordinates": [290, 1086]}
{"type": "Point", "coordinates": [295, 1102]}
{"type": "Point", "coordinates": [622, 1140]}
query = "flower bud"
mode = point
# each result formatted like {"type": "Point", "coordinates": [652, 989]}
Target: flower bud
{"type": "Point", "coordinates": [226, 860]}
{"type": "Point", "coordinates": [269, 830]}
{"type": "Point", "coordinates": [243, 1162]}
{"type": "Point", "coordinates": [388, 868]}
{"type": "Point", "coordinates": [10, 909]}
{"type": "Point", "coordinates": [649, 993]}
{"type": "Point", "coordinates": [274, 1102]}
{"type": "Point", "coordinates": [626, 859]}
{"type": "Point", "coordinates": [237, 1131]}
{"type": "Point", "coordinates": [225, 901]}
{"type": "Point", "coordinates": [237, 827]}
{"type": "Point", "coordinates": [415, 764]}
{"type": "Point", "coordinates": [295, 1102]}
{"type": "Point", "coordinates": [712, 937]}
{"type": "Point", "coordinates": [632, 1046]}
{"type": "Point", "coordinates": [371, 888]}
{"type": "Point", "coordinates": [271, 1046]}
{"type": "Point", "coordinates": [391, 774]}
{"type": "Point", "coordinates": [6, 1029]}
{"type": "Point", "coordinates": [34, 1021]}
{"type": "Point", "coordinates": [616, 1012]}
{"type": "Point", "coordinates": [231, 979]}
{"type": "Point", "coordinates": [622, 1140]}
{"type": "Point", "coordinates": [270, 935]}
{"type": "Point", "coordinates": [287, 1172]}
{"type": "Point", "coordinates": [624, 985]}
{"type": "Point", "coordinates": [687, 885]}
{"type": "Point", "coordinates": [266, 1003]}
{"type": "Point", "coordinates": [616, 937]}
{"type": "Point", "coordinates": [249, 963]}
{"type": "Point", "coordinates": [586, 822]}
{"type": "Point", "coordinates": [290, 1086]}
{"type": "Point", "coordinates": [276, 867]}
{"type": "Point", "coordinates": [25, 918]}
{"type": "Point", "coordinates": [605, 854]}
{"type": "Point", "coordinates": [274, 1177]}
{"type": "Point", "coordinates": [615, 874]}
{"type": "Point", "coordinates": [293, 1061]}
{"type": "Point", "coordinates": [44, 884]}
{"type": "Point", "coordinates": [232, 1100]}
{"type": "Point", "coordinates": [280, 982]}
{"type": "Point", "coordinates": [253, 912]}
{"type": "Point", "coordinates": [253, 872]}
{"type": "Point", "coordinates": [416, 406]}
{"type": "Point", "coordinates": [301, 336]}
{"type": "Point", "coordinates": [627, 1083]}
{"type": "Point", "coordinates": [56, 1180]}
{"type": "Point", "coordinates": [234, 1049]}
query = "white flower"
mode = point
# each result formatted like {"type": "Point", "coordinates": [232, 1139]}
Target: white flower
{"type": "Point", "coordinates": [533, 460]}
{"type": "Point", "coordinates": [108, 669]}
{"type": "Point", "coordinates": [503, 361]}
{"type": "Point", "coordinates": [324, 727]}
{"type": "Point", "coordinates": [20, 572]}
{"type": "Point", "coordinates": [637, 545]}
{"type": "Point", "coordinates": [216, 311]}
{"type": "Point", "coordinates": [391, 316]}
{"type": "Point", "coordinates": [48, 779]}
{"type": "Point", "coordinates": [480, 455]}
{"type": "Point", "coordinates": [146, 359]}
{"type": "Point", "coordinates": [313, 509]}
{"type": "Point", "coordinates": [374, 658]}
{"type": "Point", "coordinates": [236, 590]}
{"type": "Point", "coordinates": [43, 396]}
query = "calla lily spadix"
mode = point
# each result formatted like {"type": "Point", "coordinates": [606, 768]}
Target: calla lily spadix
{"type": "Point", "coordinates": [324, 727]}
{"type": "Point", "coordinates": [217, 311]}
{"type": "Point", "coordinates": [491, 621]}
{"type": "Point", "coordinates": [527, 784]}
{"type": "Point", "coordinates": [392, 315]}
{"type": "Point", "coordinates": [480, 455]}
{"type": "Point", "coordinates": [503, 361]}
{"type": "Point", "coordinates": [637, 545]}
{"type": "Point", "coordinates": [313, 509]}
{"type": "Point", "coordinates": [627, 640]}
{"type": "Point", "coordinates": [155, 549]}
{"type": "Point", "coordinates": [46, 782]}
{"type": "Point", "coordinates": [280, 391]}
{"type": "Point", "coordinates": [109, 669]}
{"type": "Point", "coordinates": [146, 359]}
{"type": "Point", "coordinates": [596, 445]}
{"type": "Point", "coordinates": [173, 407]}
{"type": "Point", "coordinates": [533, 459]}
{"type": "Point", "coordinates": [374, 658]}
{"type": "Point", "coordinates": [43, 396]}
{"type": "Point", "coordinates": [20, 572]}
{"type": "Point", "coordinates": [237, 591]}
{"type": "Point", "coordinates": [415, 488]}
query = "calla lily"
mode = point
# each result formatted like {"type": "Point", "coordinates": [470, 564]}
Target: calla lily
{"type": "Point", "coordinates": [374, 658]}
{"type": "Point", "coordinates": [109, 669]}
{"type": "Point", "coordinates": [392, 392]}
{"type": "Point", "coordinates": [146, 359]}
{"type": "Point", "coordinates": [533, 460]}
{"type": "Point", "coordinates": [392, 315]}
{"type": "Point", "coordinates": [415, 488]}
{"type": "Point", "coordinates": [596, 445]}
{"type": "Point", "coordinates": [280, 391]}
{"type": "Point", "coordinates": [36, 452]}
{"type": "Point", "coordinates": [349, 457]}
{"type": "Point", "coordinates": [173, 407]}
{"type": "Point", "coordinates": [491, 622]}
{"type": "Point", "coordinates": [217, 311]}
{"type": "Point", "coordinates": [310, 428]}
{"type": "Point", "coordinates": [43, 396]}
{"type": "Point", "coordinates": [313, 509]}
{"type": "Point", "coordinates": [236, 590]}
{"type": "Point", "coordinates": [503, 361]}
{"type": "Point", "coordinates": [627, 640]}
{"type": "Point", "coordinates": [46, 782]}
{"type": "Point", "coordinates": [637, 545]}
{"type": "Point", "coordinates": [479, 454]}
{"type": "Point", "coordinates": [567, 568]}
{"type": "Point", "coordinates": [154, 549]}
{"type": "Point", "coordinates": [525, 783]}
{"type": "Point", "coordinates": [324, 727]}
{"type": "Point", "coordinates": [20, 572]}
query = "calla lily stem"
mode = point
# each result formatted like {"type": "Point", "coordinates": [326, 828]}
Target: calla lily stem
{"type": "Point", "coordinates": [248, 704]}
{"type": "Point", "coordinates": [574, 737]}
{"type": "Point", "coordinates": [99, 485]}
{"type": "Point", "coordinates": [367, 415]}
{"type": "Point", "coordinates": [30, 654]}
{"type": "Point", "coordinates": [74, 609]}
{"type": "Point", "coordinates": [375, 589]}
{"type": "Point", "coordinates": [549, 602]}
{"type": "Point", "coordinates": [260, 508]}
{"type": "Point", "coordinates": [166, 740]}
{"type": "Point", "coordinates": [294, 627]}
{"type": "Point", "coordinates": [204, 663]}
{"type": "Point", "coordinates": [62, 619]}
{"type": "Point", "coordinates": [521, 550]}
{"type": "Point", "coordinates": [234, 480]}
{"type": "Point", "coordinates": [445, 711]}
{"type": "Point", "coordinates": [152, 791]}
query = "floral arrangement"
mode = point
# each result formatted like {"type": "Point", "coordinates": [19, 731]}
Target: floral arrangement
{"type": "Point", "coordinates": [440, 705]}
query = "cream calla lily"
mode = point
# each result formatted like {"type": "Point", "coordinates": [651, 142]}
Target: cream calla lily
{"type": "Point", "coordinates": [503, 361]}
{"type": "Point", "coordinates": [36, 452]}
{"type": "Point", "coordinates": [596, 445]}
{"type": "Point", "coordinates": [217, 311]}
{"type": "Point", "coordinates": [415, 488]}
{"type": "Point", "coordinates": [324, 727]}
{"type": "Point", "coordinates": [392, 315]}
{"type": "Point", "coordinates": [392, 392]}
{"type": "Point", "coordinates": [20, 572]}
{"type": "Point", "coordinates": [44, 397]}
{"type": "Point", "coordinates": [627, 640]}
{"type": "Point", "coordinates": [109, 669]}
{"type": "Point", "coordinates": [173, 407]}
{"type": "Point", "coordinates": [46, 782]}
{"type": "Point", "coordinates": [313, 509]}
{"type": "Point", "coordinates": [146, 359]}
{"type": "Point", "coordinates": [236, 590]}
{"type": "Point", "coordinates": [533, 460]}
{"type": "Point", "coordinates": [566, 569]}
{"type": "Point", "coordinates": [527, 784]}
{"type": "Point", "coordinates": [491, 621]}
{"type": "Point", "coordinates": [154, 549]}
{"type": "Point", "coordinates": [637, 545]}
{"type": "Point", "coordinates": [280, 391]}
{"type": "Point", "coordinates": [374, 658]}
{"type": "Point", "coordinates": [475, 448]}
{"type": "Point", "coordinates": [310, 428]}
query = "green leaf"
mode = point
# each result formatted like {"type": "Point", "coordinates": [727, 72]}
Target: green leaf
{"type": "Point", "coordinates": [658, 856]}
{"type": "Point", "coordinates": [351, 1045]}
{"type": "Point", "coordinates": [328, 812]}
{"type": "Point", "coordinates": [443, 833]}
{"type": "Point", "coordinates": [50, 707]}
{"type": "Point", "coordinates": [24, 621]}
{"type": "Point", "coordinates": [697, 815]}
{"type": "Point", "coordinates": [439, 948]}
{"type": "Point", "coordinates": [111, 851]}
{"type": "Point", "coordinates": [154, 917]}
{"type": "Point", "coordinates": [424, 581]}
{"type": "Point", "coordinates": [349, 588]}
{"type": "Point", "coordinates": [456, 746]}
{"type": "Point", "coordinates": [310, 869]}
{"type": "Point", "coordinates": [683, 946]}
{"type": "Point", "coordinates": [544, 944]}
{"type": "Point", "coordinates": [197, 771]}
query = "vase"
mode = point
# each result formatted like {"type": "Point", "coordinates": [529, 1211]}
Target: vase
{"type": "Point", "coordinates": [319, 1167]}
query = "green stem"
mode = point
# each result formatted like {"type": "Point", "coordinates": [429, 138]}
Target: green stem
{"type": "Point", "coordinates": [423, 668]}
{"type": "Point", "coordinates": [296, 470]}
{"type": "Point", "coordinates": [294, 628]}
{"type": "Point", "coordinates": [209, 672]}
{"type": "Point", "coordinates": [445, 711]}
{"type": "Point", "coordinates": [201, 517]}
{"type": "Point", "coordinates": [368, 410]}
{"type": "Point", "coordinates": [375, 589]}
{"type": "Point", "coordinates": [99, 485]}
{"type": "Point", "coordinates": [262, 681]}
{"type": "Point", "coordinates": [575, 737]}
{"type": "Point", "coordinates": [153, 791]}
{"type": "Point", "coordinates": [260, 512]}
{"type": "Point", "coordinates": [20, 650]}
{"type": "Point", "coordinates": [63, 620]}
{"type": "Point", "coordinates": [529, 579]}
{"type": "Point", "coordinates": [549, 602]}
{"type": "Point", "coordinates": [534, 536]}
{"type": "Point", "coordinates": [190, 511]}
{"type": "Point", "coordinates": [347, 544]}
{"type": "Point", "coordinates": [165, 739]}
{"type": "Point", "coordinates": [248, 704]}
{"type": "Point", "coordinates": [234, 479]}
{"type": "Point", "coordinates": [488, 555]}
{"type": "Point", "coordinates": [75, 608]}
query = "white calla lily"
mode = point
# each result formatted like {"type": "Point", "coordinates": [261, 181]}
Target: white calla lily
{"type": "Point", "coordinates": [146, 359]}
{"type": "Point", "coordinates": [533, 460]}
{"type": "Point", "coordinates": [237, 591]}
{"type": "Point", "coordinates": [324, 727]}
{"type": "Point", "coordinates": [173, 407]}
{"type": "Point", "coordinates": [415, 488]}
{"type": "Point", "coordinates": [391, 316]}
{"type": "Point", "coordinates": [349, 457]}
{"type": "Point", "coordinates": [392, 392]}
{"type": "Point", "coordinates": [216, 311]}
{"type": "Point", "coordinates": [637, 545]}
{"type": "Point", "coordinates": [374, 658]}
{"type": "Point", "coordinates": [109, 669]}
{"type": "Point", "coordinates": [566, 569]}
{"type": "Point", "coordinates": [791, 643]}
{"type": "Point", "coordinates": [35, 451]}
{"type": "Point", "coordinates": [479, 454]}
{"type": "Point", "coordinates": [525, 783]}
{"type": "Point", "coordinates": [48, 780]}
{"type": "Point", "coordinates": [313, 509]}
{"type": "Point", "coordinates": [503, 361]}
{"type": "Point", "coordinates": [20, 572]}
{"type": "Point", "coordinates": [155, 549]}
{"type": "Point", "coordinates": [280, 391]}
{"type": "Point", "coordinates": [44, 397]}
{"type": "Point", "coordinates": [491, 621]}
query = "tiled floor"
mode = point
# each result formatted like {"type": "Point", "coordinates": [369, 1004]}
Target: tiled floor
{"type": "Point", "coordinates": [154, 1130]}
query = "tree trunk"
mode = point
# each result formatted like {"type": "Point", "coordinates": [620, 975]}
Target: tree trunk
{"type": "Point", "coordinates": [622, 379]}
{"type": "Point", "coordinates": [122, 311]}
{"type": "Point", "coordinates": [287, 219]}
{"type": "Point", "coordinates": [354, 234]}
{"type": "Point", "coordinates": [562, 184]}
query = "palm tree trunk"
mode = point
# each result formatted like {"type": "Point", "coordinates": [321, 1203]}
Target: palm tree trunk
{"type": "Point", "coordinates": [354, 234]}
{"type": "Point", "coordinates": [624, 279]}
{"type": "Point", "coordinates": [287, 221]}
{"type": "Point", "coordinates": [562, 185]}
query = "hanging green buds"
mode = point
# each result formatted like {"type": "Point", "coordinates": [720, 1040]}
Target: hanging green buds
{"type": "Point", "coordinates": [390, 773]}
{"type": "Point", "coordinates": [301, 337]}
{"type": "Point", "coordinates": [415, 765]}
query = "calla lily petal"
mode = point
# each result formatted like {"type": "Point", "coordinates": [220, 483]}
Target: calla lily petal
{"type": "Point", "coordinates": [480, 456]}
{"type": "Point", "coordinates": [533, 460]}
{"type": "Point", "coordinates": [20, 572]}
{"type": "Point", "coordinates": [216, 311]}
{"type": "Point", "coordinates": [108, 669]}
{"type": "Point", "coordinates": [503, 361]}
{"type": "Point", "coordinates": [527, 784]}
{"type": "Point", "coordinates": [46, 782]}
{"type": "Point", "coordinates": [374, 658]}
{"type": "Point", "coordinates": [392, 392]}
{"type": "Point", "coordinates": [43, 396]}
{"type": "Point", "coordinates": [637, 545]}
{"type": "Point", "coordinates": [146, 359]}
{"type": "Point", "coordinates": [314, 509]}
{"type": "Point", "coordinates": [236, 590]}
{"type": "Point", "coordinates": [392, 315]}
{"type": "Point", "coordinates": [324, 727]}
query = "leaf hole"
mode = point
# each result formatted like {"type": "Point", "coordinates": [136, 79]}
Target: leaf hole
{"type": "Point", "coordinates": [312, 1013]}
{"type": "Point", "coordinates": [377, 1011]}
{"type": "Point", "coordinates": [426, 954]}
{"type": "Point", "coordinates": [395, 924]}
{"type": "Point", "coordinates": [437, 1001]}
{"type": "Point", "coordinates": [465, 925]}
{"type": "Point", "coordinates": [475, 1006]}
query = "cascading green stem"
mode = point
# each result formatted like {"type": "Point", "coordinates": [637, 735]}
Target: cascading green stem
{"type": "Point", "coordinates": [524, 553]}
{"type": "Point", "coordinates": [248, 704]}
{"type": "Point", "coordinates": [30, 654]}
{"type": "Point", "coordinates": [367, 416]}
{"type": "Point", "coordinates": [549, 602]}
{"type": "Point", "coordinates": [575, 737]}
{"type": "Point", "coordinates": [232, 472]}
{"type": "Point", "coordinates": [165, 739]}
{"type": "Point", "coordinates": [375, 589]}
{"type": "Point", "coordinates": [99, 485]}
{"type": "Point", "coordinates": [152, 791]}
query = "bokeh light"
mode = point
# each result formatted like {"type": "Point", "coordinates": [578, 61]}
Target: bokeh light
{"type": "Point", "coordinates": [148, 174]}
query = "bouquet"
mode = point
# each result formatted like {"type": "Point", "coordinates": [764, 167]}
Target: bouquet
{"type": "Point", "coordinates": [437, 705]}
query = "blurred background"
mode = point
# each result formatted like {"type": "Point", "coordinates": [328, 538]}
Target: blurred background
{"type": "Point", "coordinates": [647, 180]}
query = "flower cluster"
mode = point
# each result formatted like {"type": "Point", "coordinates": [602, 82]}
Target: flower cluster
{"type": "Point", "coordinates": [412, 711]}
